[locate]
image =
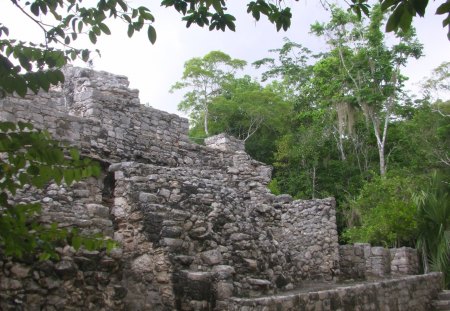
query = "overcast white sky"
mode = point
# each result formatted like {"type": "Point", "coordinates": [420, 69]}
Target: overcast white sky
{"type": "Point", "coordinates": [154, 68]}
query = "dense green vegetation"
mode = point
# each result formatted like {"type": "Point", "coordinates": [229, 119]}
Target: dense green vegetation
{"type": "Point", "coordinates": [341, 123]}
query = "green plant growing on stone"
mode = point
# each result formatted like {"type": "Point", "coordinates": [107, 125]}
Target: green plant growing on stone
{"type": "Point", "coordinates": [30, 158]}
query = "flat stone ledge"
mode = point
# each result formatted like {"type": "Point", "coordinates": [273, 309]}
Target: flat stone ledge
{"type": "Point", "coordinates": [384, 291]}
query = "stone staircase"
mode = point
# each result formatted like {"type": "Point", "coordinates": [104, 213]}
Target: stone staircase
{"type": "Point", "coordinates": [443, 301]}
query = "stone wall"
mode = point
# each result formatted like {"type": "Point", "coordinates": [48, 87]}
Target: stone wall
{"type": "Point", "coordinates": [83, 280]}
{"type": "Point", "coordinates": [361, 261]}
{"type": "Point", "coordinates": [309, 239]}
{"type": "Point", "coordinates": [196, 224]}
{"type": "Point", "coordinates": [408, 293]}
{"type": "Point", "coordinates": [404, 260]}
{"type": "Point", "coordinates": [219, 233]}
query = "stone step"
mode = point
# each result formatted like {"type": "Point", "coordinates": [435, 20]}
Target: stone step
{"type": "Point", "coordinates": [441, 304]}
{"type": "Point", "coordinates": [444, 295]}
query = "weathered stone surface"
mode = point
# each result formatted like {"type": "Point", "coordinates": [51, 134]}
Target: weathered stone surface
{"type": "Point", "coordinates": [196, 225]}
{"type": "Point", "coordinates": [212, 257]}
{"type": "Point", "coordinates": [406, 293]}
{"type": "Point", "coordinates": [361, 261]}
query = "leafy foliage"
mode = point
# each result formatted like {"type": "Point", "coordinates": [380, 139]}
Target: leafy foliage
{"type": "Point", "coordinates": [204, 78]}
{"type": "Point", "coordinates": [368, 70]}
{"type": "Point", "coordinates": [248, 111]}
{"type": "Point", "coordinates": [384, 213]}
{"type": "Point", "coordinates": [433, 210]}
{"type": "Point", "coordinates": [402, 12]}
{"type": "Point", "coordinates": [32, 66]}
{"type": "Point", "coordinates": [29, 158]}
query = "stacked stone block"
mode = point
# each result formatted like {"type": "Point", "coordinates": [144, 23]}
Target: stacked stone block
{"type": "Point", "coordinates": [196, 224]}
{"type": "Point", "coordinates": [361, 261]}
{"type": "Point", "coordinates": [411, 293]}
{"type": "Point", "coordinates": [404, 261]}
{"type": "Point", "coordinates": [80, 280]}
{"type": "Point", "coordinates": [309, 238]}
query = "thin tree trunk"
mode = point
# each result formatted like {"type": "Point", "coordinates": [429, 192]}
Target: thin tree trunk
{"type": "Point", "coordinates": [206, 122]}
{"type": "Point", "coordinates": [341, 148]}
{"type": "Point", "coordinates": [205, 117]}
{"type": "Point", "coordinates": [313, 182]}
{"type": "Point", "coordinates": [380, 144]}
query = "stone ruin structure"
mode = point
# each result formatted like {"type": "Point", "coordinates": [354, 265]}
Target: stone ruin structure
{"type": "Point", "coordinates": [196, 225]}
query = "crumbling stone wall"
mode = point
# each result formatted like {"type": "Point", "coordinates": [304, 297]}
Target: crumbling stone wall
{"type": "Point", "coordinates": [81, 280]}
{"type": "Point", "coordinates": [404, 261]}
{"type": "Point", "coordinates": [308, 237]}
{"type": "Point", "coordinates": [219, 237]}
{"type": "Point", "coordinates": [196, 224]}
{"type": "Point", "coordinates": [361, 261]}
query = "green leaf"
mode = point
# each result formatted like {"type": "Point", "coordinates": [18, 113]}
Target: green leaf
{"type": "Point", "coordinates": [43, 7]}
{"type": "Point", "coordinates": [80, 26]}
{"type": "Point", "coordinates": [420, 6]}
{"type": "Point", "coordinates": [92, 37]}
{"type": "Point", "coordinates": [76, 242]}
{"type": "Point", "coordinates": [443, 8]}
{"type": "Point", "coordinates": [151, 34]}
{"type": "Point", "coordinates": [68, 177]}
{"type": "Point", "coordinates": [20, 86]}
{"type": "Point", "coordinates": [35, 8]}
{"type": "Point", "coordinates": [104, 28]}
{"type": "Point", "coordinates": [130, 31]}
{"type": "Point", "coordinates": [446, 21]}
{"type": "Point", "coordinates": [394, 20]}
{"type": "Point", "coordinates": [405, 21]}
{"type": "Point", "coordinates": [74, 153]}
{"type": "Point", "coordinates": [217, 6]}
{"type": "Point", "coordinates": [122, 5]}
{"type": "Point", "coordinates": [85, 55]}
{"type": "Point", "coordinates": [127, 18]}
{"type": "Point", "coordinates": [3, 199]}
{"type": "Point", "coordinates": [33, 170]}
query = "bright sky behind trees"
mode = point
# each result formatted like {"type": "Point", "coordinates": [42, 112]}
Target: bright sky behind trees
{"type": "Point", "coordinates": [154, 68]}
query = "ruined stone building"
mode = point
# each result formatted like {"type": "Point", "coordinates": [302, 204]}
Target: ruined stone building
{"type": "Point", "coordinates": [196, 225]}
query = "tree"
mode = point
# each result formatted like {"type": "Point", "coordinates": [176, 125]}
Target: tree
{"type": "Point", "coordinates": [437, 88]}
{"type": "Point", "coordinates": [205, 77]}
{"type": "Point", "coordinates": [244, 107]}
{"type": "Point", "coordinates": [247, 110]}
{"type": "Point", "coordinates": [311, 160]}
{"type": "Point", "coordinates": [403, 12]}
{"type": "Point", "coordinates": [371, 68]}
{"type": "Point", "coordinates": [423, 140]}
{"type": "Point", "coordinates": [291, 66]}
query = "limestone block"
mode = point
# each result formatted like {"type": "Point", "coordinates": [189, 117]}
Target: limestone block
{"type": "Point", "coordinates": [211, 257]}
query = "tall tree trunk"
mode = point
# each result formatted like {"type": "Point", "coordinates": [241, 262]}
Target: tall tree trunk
{"type": "Point", "coordinates": [205, 117]}
{"type": "Point", "coordinates": [382, 160]}
{"type": "Point", "coordinates": [313, 177]}
{"type": "Point", "coordinates": [206, 122]}
{"type": "Point", "coordinates": [381, 140]}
